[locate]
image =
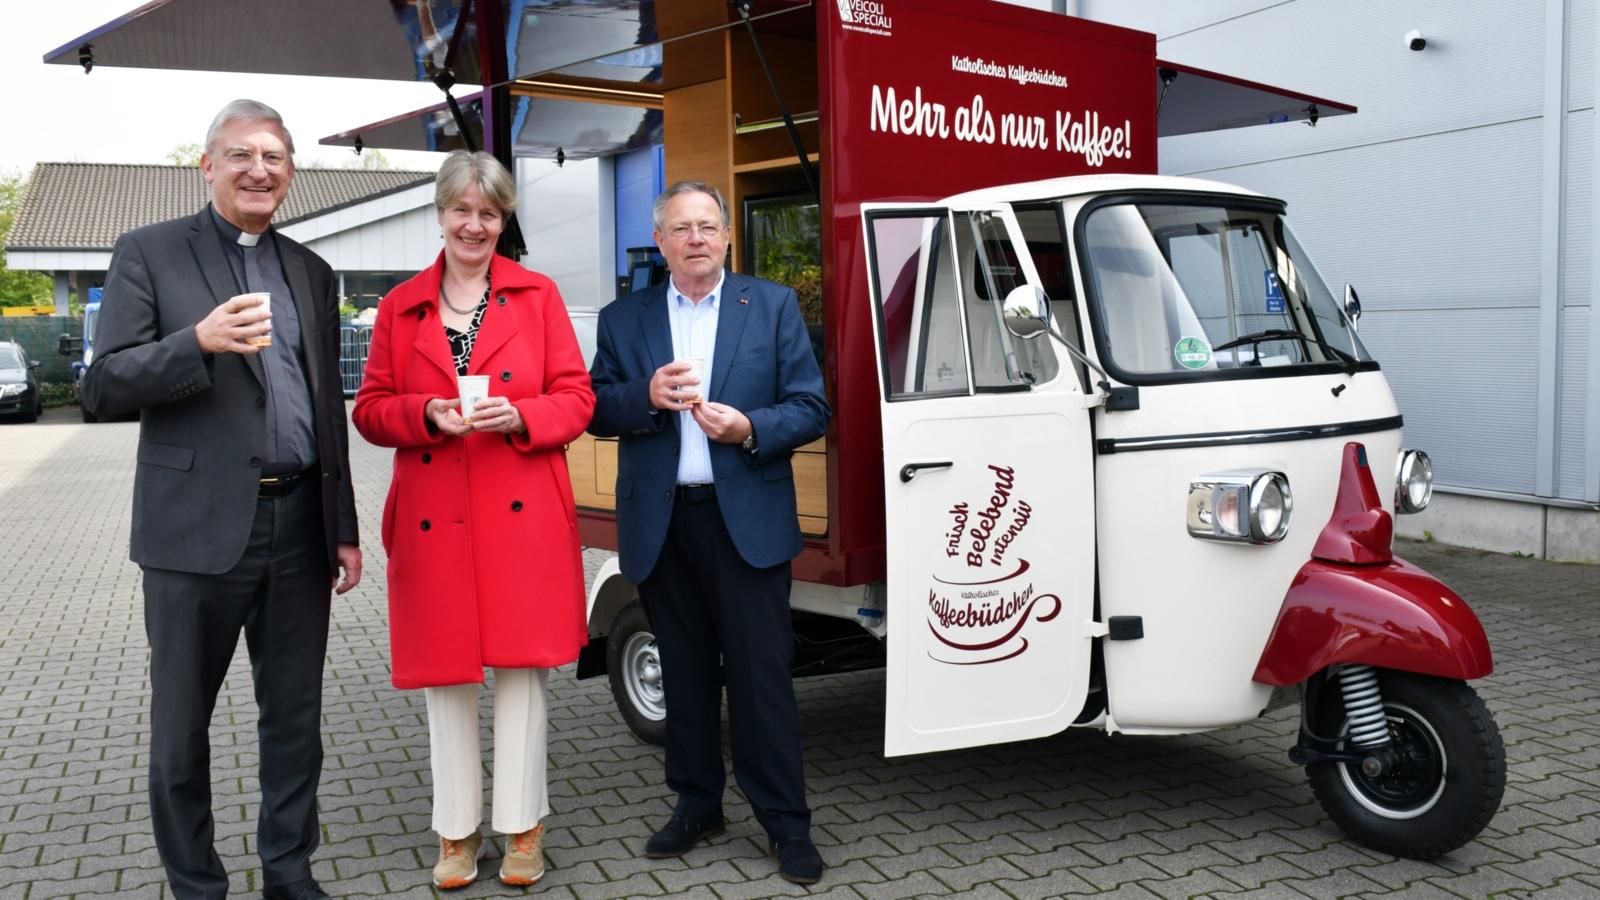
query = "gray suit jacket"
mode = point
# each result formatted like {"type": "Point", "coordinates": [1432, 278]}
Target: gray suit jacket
{"type": "Point", "coordinates": [202, 419]}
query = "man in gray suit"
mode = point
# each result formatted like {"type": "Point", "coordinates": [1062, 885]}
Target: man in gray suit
{"type": "Point", "coordinates": [242, 505]}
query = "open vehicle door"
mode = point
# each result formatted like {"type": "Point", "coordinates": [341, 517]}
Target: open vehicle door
{"type": "Point", "coordinates": [989, 486]}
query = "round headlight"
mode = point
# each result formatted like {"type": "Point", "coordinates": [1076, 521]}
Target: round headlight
{"type": "Point", "coordinates": [1413, 482]}
{"type": "Point", "coordinates": [1270, 505]}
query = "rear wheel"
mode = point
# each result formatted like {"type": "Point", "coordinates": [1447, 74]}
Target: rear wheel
{"type": "Point", "coordinates": [1448, 775]}
{"type": "Point", "coordinates": [633, 662]}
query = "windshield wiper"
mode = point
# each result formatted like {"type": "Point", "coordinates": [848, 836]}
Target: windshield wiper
{"type": "Point", "coordinates": [1275, 334]}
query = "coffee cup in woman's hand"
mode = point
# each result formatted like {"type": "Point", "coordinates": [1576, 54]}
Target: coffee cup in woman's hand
{"type": "Point", "coordinates": [496, 414]}
{"type": "Point", "coordinates": [442, 413]}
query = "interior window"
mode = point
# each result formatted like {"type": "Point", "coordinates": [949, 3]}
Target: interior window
{"type": "Point", "coordinates": [990, 271]}
{"type": "Point", "coordinates": [1047, 246]}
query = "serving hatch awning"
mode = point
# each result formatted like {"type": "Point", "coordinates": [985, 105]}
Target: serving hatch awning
{"type": "Point", "coordinates": [543, 127]}
{"type": "Point", "coordinates": [1193, 100]}
{"type": "Point", "coordinates": [614, 40]}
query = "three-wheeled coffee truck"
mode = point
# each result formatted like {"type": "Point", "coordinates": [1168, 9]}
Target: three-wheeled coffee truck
{"type": "Point", "coordinates": [1107, 451]}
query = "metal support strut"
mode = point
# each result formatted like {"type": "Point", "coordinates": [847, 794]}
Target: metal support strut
{"type": "Point", "coordinates": [743, 8]}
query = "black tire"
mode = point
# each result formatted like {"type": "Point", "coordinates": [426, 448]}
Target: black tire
{"type": "Point", "coordinates": [633, 665]}
{"type": "Point", "coordinates": [32, 415]}
{"type": "Point", "coordinates": [1449, 781]}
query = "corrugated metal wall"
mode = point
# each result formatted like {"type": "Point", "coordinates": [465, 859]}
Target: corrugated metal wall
{"type": "Point", "coordinates": [1431, 200]}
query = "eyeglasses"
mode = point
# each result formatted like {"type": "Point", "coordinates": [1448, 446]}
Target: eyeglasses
{"type": "Point", "coordinates": [706, 230]}
{"type": "Point", "coordinates": [244, 160]}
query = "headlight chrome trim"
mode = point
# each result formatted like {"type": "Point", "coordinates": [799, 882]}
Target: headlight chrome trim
{"type": "Point", "coordinates": [1413, 482]}
{"type": "Point", "coordinates": [1236, 507]}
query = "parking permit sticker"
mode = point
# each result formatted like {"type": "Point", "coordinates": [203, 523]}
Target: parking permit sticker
{"type": "Point", "coordinates": [1192, 353]}
{"type": "Point", "coordinates": [1274, 292]}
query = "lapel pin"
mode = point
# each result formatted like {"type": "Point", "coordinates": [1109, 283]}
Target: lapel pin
{"type": "Point", "coordinates": [744, 301]}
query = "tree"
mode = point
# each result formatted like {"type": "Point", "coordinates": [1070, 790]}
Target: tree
{"type": "Point", "coordinates": [185, 155]}
{"type": "Point", "coordinates": [18, 288]}
{"type": "Point", "coordinates": [371, 159]}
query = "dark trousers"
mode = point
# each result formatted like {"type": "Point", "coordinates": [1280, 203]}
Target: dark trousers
{"type": "Point", "coordinates": [279, 595]}
{"type": "Point", "coordinates": [719, 620]}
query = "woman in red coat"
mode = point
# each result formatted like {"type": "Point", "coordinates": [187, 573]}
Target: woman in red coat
{"type": "Point", "coordinates": [479, 526]}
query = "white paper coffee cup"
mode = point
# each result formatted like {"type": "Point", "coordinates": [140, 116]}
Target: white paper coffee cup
{"type": "Point", "coordinates": [693, 393]}
{"type": "Point", "coordinates": [473, 388]}
{"type": "Point", "coordinates": [265, 299]}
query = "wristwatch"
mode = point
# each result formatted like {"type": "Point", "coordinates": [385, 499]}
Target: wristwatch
{"type": "Point", "coordinates": [749, 443]}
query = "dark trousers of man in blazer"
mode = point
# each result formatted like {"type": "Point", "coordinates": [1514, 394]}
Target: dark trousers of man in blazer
{"type": "Point", "coordinates": [226, 544]}
{"type": "Point", "coordinates": [713, 563]}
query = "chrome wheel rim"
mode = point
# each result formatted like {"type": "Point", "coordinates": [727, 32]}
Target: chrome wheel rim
{"type": "Point", "coordinates": [641, 668]}
{"type": "Point", "coordinates": [1413, 787]}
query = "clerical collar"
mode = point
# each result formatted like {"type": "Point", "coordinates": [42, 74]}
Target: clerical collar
{"type": "Point", "coordinates": [232, 232]}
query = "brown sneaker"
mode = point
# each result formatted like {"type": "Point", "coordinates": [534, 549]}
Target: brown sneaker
{"type": "Point", "coordinates": [524, 860]}
{"type": "Point", "coordinates": [458, 862]}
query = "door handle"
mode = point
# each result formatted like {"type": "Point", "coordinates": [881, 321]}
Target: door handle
{"type": "Point", "coordinates": [910, 470]}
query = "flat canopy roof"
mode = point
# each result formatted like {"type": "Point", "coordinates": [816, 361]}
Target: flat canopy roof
{"type": "Point", "coordinates": [588, 72]}
{"type": "Point", "coordinates": [400, 41]}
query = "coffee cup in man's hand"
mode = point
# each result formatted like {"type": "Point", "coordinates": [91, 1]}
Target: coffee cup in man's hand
{"type": "Point", "coordinates": [262, 299]}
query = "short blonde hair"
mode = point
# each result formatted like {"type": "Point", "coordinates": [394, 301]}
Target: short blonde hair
{"type": "Point", "coordinates": [463, 169]}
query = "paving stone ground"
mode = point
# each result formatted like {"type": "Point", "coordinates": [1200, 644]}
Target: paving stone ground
{"type": "Point", "coordinates": [1221, 814]}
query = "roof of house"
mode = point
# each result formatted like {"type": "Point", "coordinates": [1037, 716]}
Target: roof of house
{"type": "Point", "coordinates": [87, 206]}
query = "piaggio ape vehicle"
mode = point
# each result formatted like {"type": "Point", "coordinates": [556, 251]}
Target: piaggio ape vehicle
{"type": "Point", "coordinates": [1108, 452]}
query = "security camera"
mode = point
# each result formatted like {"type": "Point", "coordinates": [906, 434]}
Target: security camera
{"type": "Point", "coordinates": [86, 57]}
{"type": "Point", "coordinates": [1415, 40]}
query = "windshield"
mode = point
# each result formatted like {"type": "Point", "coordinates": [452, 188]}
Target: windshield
{"type": "Point", "coordinates": [1190, 290]}
{"type": "Point", "coordinates": [10, 358]}
{"type": "Point", "coordinates": [88, 324]}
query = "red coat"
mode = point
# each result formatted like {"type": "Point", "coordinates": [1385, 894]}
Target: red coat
{"type": "Point", "coordinates": [481, 531]}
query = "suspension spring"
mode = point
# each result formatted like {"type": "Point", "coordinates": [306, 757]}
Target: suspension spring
{"type": "Point", "coordinates": [1363, 704]}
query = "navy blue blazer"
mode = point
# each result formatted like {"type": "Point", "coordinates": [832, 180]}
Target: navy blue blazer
{"type": "Point", "coordinates": [762, 366]}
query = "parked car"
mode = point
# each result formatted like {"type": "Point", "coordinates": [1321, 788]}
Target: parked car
{"type": "Point", "coordinates": [19, 387]}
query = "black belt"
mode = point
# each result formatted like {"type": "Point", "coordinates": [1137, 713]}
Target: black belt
{"type": "Point", "coordinates": [281, 485]}
{"type": "Point", "coordinates": [697, 493]}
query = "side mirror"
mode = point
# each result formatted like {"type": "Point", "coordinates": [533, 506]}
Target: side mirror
{"type": "Point", "coordinates": [1026, 311]}
{"type": "Point", "coordinates": [1352, 304]}
{"type": "Point", "coordinates": [34, 364]}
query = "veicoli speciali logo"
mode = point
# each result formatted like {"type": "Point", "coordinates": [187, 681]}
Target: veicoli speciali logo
{"type": "Point", "coordinates": [866, 16]}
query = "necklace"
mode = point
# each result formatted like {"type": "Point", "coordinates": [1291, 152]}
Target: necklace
{"type": "Point", "coordinates": [445, 299]}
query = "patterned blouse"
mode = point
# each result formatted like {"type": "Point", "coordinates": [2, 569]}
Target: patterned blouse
{"type": "Point", "coordinates": [461, 341]}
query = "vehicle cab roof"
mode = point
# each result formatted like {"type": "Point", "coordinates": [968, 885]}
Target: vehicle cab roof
{"type": "Point", "coordinates": [1081, 185]}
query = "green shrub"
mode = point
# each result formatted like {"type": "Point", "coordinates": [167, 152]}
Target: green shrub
{"type": "Point", "coordinates": [57, 394]}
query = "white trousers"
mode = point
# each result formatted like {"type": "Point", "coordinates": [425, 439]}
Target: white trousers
{"type": "Point", "coordinates": [520, 797]}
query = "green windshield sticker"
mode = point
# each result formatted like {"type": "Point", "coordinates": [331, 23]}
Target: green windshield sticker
{"type": "Point", "coordinates": [1192, 353]}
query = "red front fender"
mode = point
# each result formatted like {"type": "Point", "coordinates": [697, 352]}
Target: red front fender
{"type": "Point", "coordinates": [1394, 616]}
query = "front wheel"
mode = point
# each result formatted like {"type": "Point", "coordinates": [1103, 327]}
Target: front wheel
{"type": "Point", "coordinates": [634, 664]}
{"type": "Point", "coordinates": [1448, 778]}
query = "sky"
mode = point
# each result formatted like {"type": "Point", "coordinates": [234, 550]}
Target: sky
{"type": "Point", "coordinates": [54, 113]}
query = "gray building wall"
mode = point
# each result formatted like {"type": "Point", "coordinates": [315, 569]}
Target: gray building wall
{"type": "Point", "coordinates": [1460, 202]}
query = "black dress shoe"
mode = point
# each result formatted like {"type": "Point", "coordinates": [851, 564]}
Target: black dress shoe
{"type": "Point", "coordinates": [798, 860]}
{"type": "Point", "coordinates": [305, 889]}
{"type": "Point", "coordinates": [679, 836]}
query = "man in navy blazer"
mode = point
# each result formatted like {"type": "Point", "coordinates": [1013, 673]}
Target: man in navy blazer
{"type": "Point", "coordinates": [706, 514]}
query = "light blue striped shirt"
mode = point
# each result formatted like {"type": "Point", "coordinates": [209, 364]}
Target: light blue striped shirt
{"type": "Point", "coordinates": [694, 334]}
